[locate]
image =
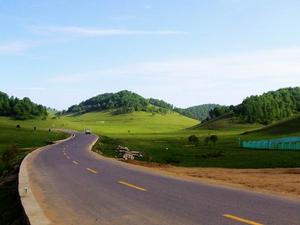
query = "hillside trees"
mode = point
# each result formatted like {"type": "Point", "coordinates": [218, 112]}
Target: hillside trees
{"type": "Point", "coordinates": [20, 108]}
{"type": "Point", "coordinates": [160, 103]}
{"type": "Point", "coordinates": [200, 112]}
{"type": "Point", "coordinates": [123, 101]}
{"type": "Point", "coordinates": [271, 106]}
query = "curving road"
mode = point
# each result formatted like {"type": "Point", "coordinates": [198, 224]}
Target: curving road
{"type": "Point", "coordinates": [74, 186]}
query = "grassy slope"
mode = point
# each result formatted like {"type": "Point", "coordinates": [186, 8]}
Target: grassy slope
{"type": "Point", "coordinates": [25, 137]}
{"type": "Point", "coordinates": [135, 123]}
{"type": "Point", "coordinates": [288, 127]}
{"type": "Point", "coordinates": [226, 123]}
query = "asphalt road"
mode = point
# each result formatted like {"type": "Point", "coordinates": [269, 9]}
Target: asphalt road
{"type": "Point", "coordinates": [75, 187]}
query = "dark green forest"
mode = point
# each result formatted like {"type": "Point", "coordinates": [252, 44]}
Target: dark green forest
{"type": "Point", "coordinates": [160, 103]}
{"type": "Point", "coordinates": [121, 102]}
{"type": "Point", "coordinates": [271, 106]}
{"type": "Point", "coordinates": [199, 112]}
{"type": "Point", "coordinates": [265, 108]}
{"type": "Point", "coordinates": [20, 108]}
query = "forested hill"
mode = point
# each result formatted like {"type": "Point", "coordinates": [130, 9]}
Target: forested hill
{"type": "Point", "coordinates": [265, 108]}
{"type": "Point", "coordinates": [20, 108]}
{"type": "Point", "coordinates": [121, 102]}
{"type": "Point", "coordinates": [273, 105]}
{"type": "Point", "coordinates": [199, 112]}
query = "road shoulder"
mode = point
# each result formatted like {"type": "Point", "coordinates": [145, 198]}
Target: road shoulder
{"type": "Point", "coordinates": [32, 209]}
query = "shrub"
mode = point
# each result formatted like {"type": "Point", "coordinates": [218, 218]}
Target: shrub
{"type": "Point", "coordinates": [214, 138]}
{"type": "Point", "coordinates": [206, 140]}
{"type": "Point", "coordinates": [193, 138]}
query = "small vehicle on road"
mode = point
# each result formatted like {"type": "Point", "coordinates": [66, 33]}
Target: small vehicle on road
{"type": "Point", "coordinates": [87, 131]}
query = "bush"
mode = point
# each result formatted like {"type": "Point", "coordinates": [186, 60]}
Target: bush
{"type": "Point", "coordinates": [206, 140]}
{"type": "Point", "coordinates": [214, 138]}
{"type": "Point", "coordinates": [193, 138]}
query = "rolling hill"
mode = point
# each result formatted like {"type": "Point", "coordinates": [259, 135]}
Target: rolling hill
{"type": "Point", "coordinates": [286, 127]}
{"type": "Point", "coordinates": [139, 122]}
{"type": "Point", "coordinates": [121, 102]}
{"type": "Point", "coordinates": [127, 101]}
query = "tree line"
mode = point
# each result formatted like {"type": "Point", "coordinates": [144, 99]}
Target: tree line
{"type": "Point", "coordinates": [265, 108]}
{"type": "Point", "coordinates": [199, 112]}
{"type": "Point", "coordinates": [121, 102]}
{"type": "Point", "coordinates": [20, 108]}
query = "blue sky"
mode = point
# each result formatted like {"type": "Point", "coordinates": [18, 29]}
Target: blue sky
{"type": "Point", "coordinates": [191, 52]}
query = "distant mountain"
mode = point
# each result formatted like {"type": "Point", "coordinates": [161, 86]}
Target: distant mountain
{"type": "Point", "coordinates": [121, 102]}
{"type": "Point", "coordinates": [199, 112]}
{"type": "Point", "coordinates": [20, 108]}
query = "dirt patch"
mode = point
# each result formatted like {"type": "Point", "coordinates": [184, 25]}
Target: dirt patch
{"type": "Point", "coordinates": [285, 182]}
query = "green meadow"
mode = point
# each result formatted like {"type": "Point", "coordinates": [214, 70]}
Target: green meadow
{"type": "Point", "coordinates": [25, 138]}
{"type": "Point", "coordinates": [163, 138]}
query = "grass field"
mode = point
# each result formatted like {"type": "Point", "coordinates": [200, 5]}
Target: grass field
{"type": "Point", "coordinates": [164, 138]}
{"type": "Point", "coordinates": [160, 138]}
{"type": "Point", "coordinates": [24, 138]}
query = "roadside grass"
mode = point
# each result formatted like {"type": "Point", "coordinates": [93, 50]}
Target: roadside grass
{"type": "Point", "coordinates": [15, 144]}
{"type": "Point", "coordinates": [174, 149]}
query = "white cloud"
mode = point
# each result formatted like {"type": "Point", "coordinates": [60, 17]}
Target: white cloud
{"type": "Point", "coordinates": [191, 81]}
{"type": "Point", "coordinates": [17, 47]}
{"type": "Point", "coordinates": [276, 64]}
{"type": "Point", "coordinates": [76, 31]}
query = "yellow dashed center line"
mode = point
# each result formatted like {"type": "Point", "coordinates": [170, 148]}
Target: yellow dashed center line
{"type": "Point", "coordinates": [75, 162]}
{"type": "Point", "coordinates": [241, 220]}
{"type": "Point", "coordinates": [132, 186]}
{"type": "Point", "coordinates": [91, 170]}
